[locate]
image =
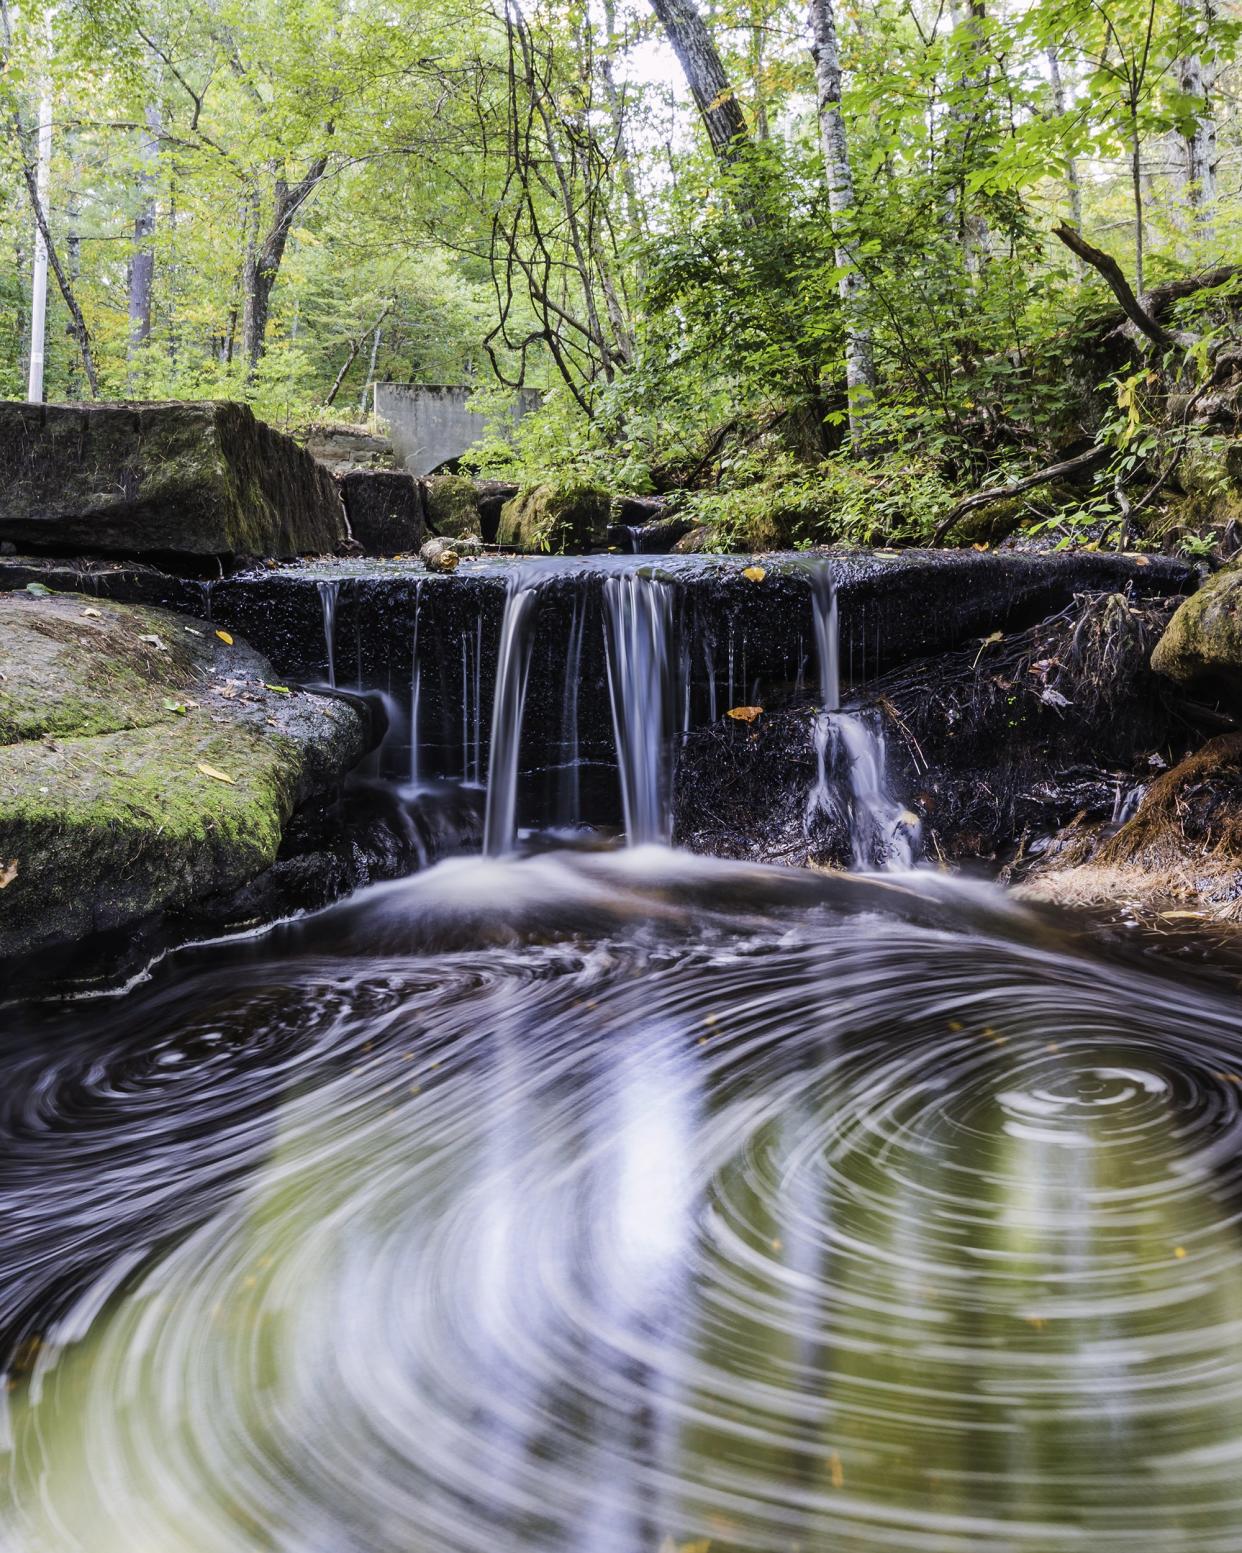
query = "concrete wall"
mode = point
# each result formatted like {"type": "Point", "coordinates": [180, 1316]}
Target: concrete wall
{"type": "Point", "coordinates": [430, 425]}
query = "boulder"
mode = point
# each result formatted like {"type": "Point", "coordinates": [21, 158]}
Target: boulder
{"type": "Point", "coordinates": [145, 763]}
{"type": "Point", "coordinates": [452, 506]}
{"type": "Point", "coordinates": [172, 480]}
{"type": "Point", "coordinates": [556, 519]}
{"type": "Point", "coordinates": [491, 496]}
{"type": "Point", "coordinates": [385, 511]}
{"type": "Point", "coordinates": [1203, 642]}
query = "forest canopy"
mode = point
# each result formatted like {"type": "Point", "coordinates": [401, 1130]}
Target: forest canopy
{"type": "Point", "coordinates": [855, 261]}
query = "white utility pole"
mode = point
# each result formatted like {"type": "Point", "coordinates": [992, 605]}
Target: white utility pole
{"type": "Point", "coordinates": [38, 288]}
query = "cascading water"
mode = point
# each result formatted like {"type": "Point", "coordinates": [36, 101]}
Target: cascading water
{"type": "Point", "coordinates": [638, 613]}
{"type": "Point", "coordinates": [416, 689]}
{"type": "Point", "coordinates": [512, 675]}
{"type": "Point", "coordinates": [850, 781]}
{"type": "Point", "coordinates": [328, 592]}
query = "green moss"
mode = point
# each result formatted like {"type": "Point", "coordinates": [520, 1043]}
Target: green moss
{"type": "Point", "coordinates": [1203, 641]}
{"type": "Point", "coordinates": [452, 506]}
{"type": "Point", "coordinates": [989, 524]}
{"type": "Point", "coordinates": [564, 519]}
{"type": "Point", "coordinates": [106, 815]}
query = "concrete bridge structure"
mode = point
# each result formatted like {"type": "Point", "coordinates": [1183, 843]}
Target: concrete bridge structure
{"type": "Point", "coordinates": [431, 425]}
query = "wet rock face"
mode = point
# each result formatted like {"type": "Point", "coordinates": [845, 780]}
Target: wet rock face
{"type": "Point", "coordinates": [385, 511]}
{"type": "Point", "coordinates": [187, 481]}
{"type": "Point", "coordinates": [556, 520]}
{"type": "Point", "coordinates": [144, 764]}
{"type": "Point", "coordinates": [993, 746]}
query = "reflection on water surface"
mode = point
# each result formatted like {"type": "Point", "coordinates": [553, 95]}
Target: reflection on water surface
{"type": "Point", "coordinates": [581, 1203]}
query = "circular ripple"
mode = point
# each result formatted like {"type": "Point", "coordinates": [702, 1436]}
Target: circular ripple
{"type": "Point", "coordinates": [723, 1215]}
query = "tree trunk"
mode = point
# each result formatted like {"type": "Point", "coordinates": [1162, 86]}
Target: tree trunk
{"type": "Point", "coordinates": [705, 76]}
{"type": "Point", "coordinates": [263, 261]}
{"type": "Point", "coordinates": [859, 366]}
{"type": "Point", "coordinates": [1136, 185]}
{"type": "Point", "coordinates": [1197, 71]}
{"type": "Point", "coordinates": [142, 261]}
{"type": "Point", "coordinates": [1071, 165]}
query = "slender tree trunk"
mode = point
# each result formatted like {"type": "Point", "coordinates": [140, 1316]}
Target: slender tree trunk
{"type": "Point", "coordinates": [354, 347]}
{"type": "Point", "coordinates": [705, 76]}
{"type": "Point", "coordinates": [370, 378]}
{"type": "Point", "coordinates": [758, 91]}
{"type": "Point", "coordinates": [859, 365]}
{"type": "Point", "coordinates": [142, 261]}
{"type": "Point", "coordinates": [1136, 185]}
{"type": "Point", "coordinates": [1197, 72]}
{"type": "Point", "coordinates": [1059, 102]}
{"type": "Point", "coordinates": [970, 228]}
{"type": "Point", "coordinates": [263, 261]}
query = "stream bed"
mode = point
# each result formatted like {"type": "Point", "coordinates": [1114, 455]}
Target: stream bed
{"type": "Point", "coordinates": [628, 1202]}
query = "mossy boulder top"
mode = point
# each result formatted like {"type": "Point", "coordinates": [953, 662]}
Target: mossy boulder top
{"type": "Point", "coordinates": [166, 480]}
{"type": "Point", "coordinates": [452, 507]}
{"type": "Point", "coordinates": [556, 519]}
{"type": "Point", "coordinates": [145, 764]}
{"type": "Point", "coordinates": [1203, 643]}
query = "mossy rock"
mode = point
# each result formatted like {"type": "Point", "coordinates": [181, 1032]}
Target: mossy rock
{"type": "Point", "coordinates": [1203, 642]}
{"type": "Point", "coordinates": [452, 506]}
{"type": "Point", "coordinates": [1210, 475]}
{"type": "Point", "coordinates": [204, 479]}
{"type": "Point", "coordinates": [557, 519]}
{"type": "Point", "coordinates": [109, 714]}
{"type": "Point", "coordinates": [989, 524]}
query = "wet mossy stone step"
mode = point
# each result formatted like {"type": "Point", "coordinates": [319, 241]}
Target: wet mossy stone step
{"type": "Point", "coordinates": [145, 764]}
{"type": "Point", "coordinates": [170, 480]}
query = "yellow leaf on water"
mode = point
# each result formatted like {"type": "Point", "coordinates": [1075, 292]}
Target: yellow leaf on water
{"type": "Point", "coordinates": [8, 872]}
{"type": "Point", "coordinates": [216, 776]}
{"type": "Point", "coordinates": [281, 690]}
{"type": "Point", "coordinates": [225, 638]}
{"type": "Point", "coordinates": [754, 573]}
{"type": "Point", "coordinates": [744, 714]}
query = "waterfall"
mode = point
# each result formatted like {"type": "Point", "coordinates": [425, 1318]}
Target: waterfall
{"type": "Point", "coordinates": [327, 602]}
{"type": "Point", "coordinates": [512, 673]}
{"type": "Point", "coordinates": [638, 617]}
{"type": "Point", "coordinates": [416, 687]}
{"type": "Point", "coordinates": [827, 636]}
{"type": "Point", "coordinates": [569, 804]}
{"type": "Point", "coordinates": [851, 783]}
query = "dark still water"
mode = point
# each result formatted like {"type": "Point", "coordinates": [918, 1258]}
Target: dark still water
{"type": "Point", "coordinates": [610, 1203]}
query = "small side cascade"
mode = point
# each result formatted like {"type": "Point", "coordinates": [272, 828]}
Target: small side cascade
{"type": "Point", "coordinates": [638, 619]}
{"type": "Point", "coordinates": [569, 795]}
{"type": "Point", "coordinates": [328, 592]}
{"type": "Point", "coordinates": [851, 783]}
{"type": "Point", "coordinates": [512, 675]}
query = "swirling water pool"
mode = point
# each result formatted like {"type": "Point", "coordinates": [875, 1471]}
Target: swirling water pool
{"type": "Point", "coordinates": [628, 1202]}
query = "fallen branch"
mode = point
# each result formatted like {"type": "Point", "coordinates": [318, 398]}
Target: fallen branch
{"type": "Point", "coordinates": [1107, 266]}
{"type": "Point", "coordinates": [1066, 467]}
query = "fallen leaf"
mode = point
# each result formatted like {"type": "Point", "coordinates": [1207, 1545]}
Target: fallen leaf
{"type": "Point", "coordinates": [39, 591]}
{"type": "Point", "coordinates": [216, 776]}
{"type": "Point", "coordinates": [281, 690]}
{"type": "Point", "coordinates": [1052, 697]}
{"type": "Point", "coordinates": [174, 706]}
{"type": "Point", "coordinates": [8, 872]}
{"type": "Point", "coordinates": [1142, 560]}
{"type": "Point", "coordinates": [93, 614]}
{"type": "Point", "coordinates": [225, 638]}
{"type": "Point", "coordinates": [754, 573]}
{"type": "Point", "coordinates": [744, 714]}
{"type": "Point", "coordinates": [987, 641]}
{"type": "Point", "coordinates": [156, 642]}
{"type": "Point", "coordinates": [191, 630]}
{"type": "Point", "coordinates": [1178, 916]}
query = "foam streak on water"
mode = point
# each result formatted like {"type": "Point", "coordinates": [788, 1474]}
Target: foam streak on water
{"type": "Point", "coordinates": [588, 1202]}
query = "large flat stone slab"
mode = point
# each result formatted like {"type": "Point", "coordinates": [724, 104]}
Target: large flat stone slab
{"type": "Point", "coordinates": [168, 480]}
{"type": "Point", "coordinates": [145, 763]}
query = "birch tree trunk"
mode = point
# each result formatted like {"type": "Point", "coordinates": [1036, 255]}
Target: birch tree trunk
{"type": "Point", "coordinates": [1060, 103]}
{"type": "Point", "coordinates": [859, 366]}
{"type": "Point", "coordinates": [1197, 72]}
